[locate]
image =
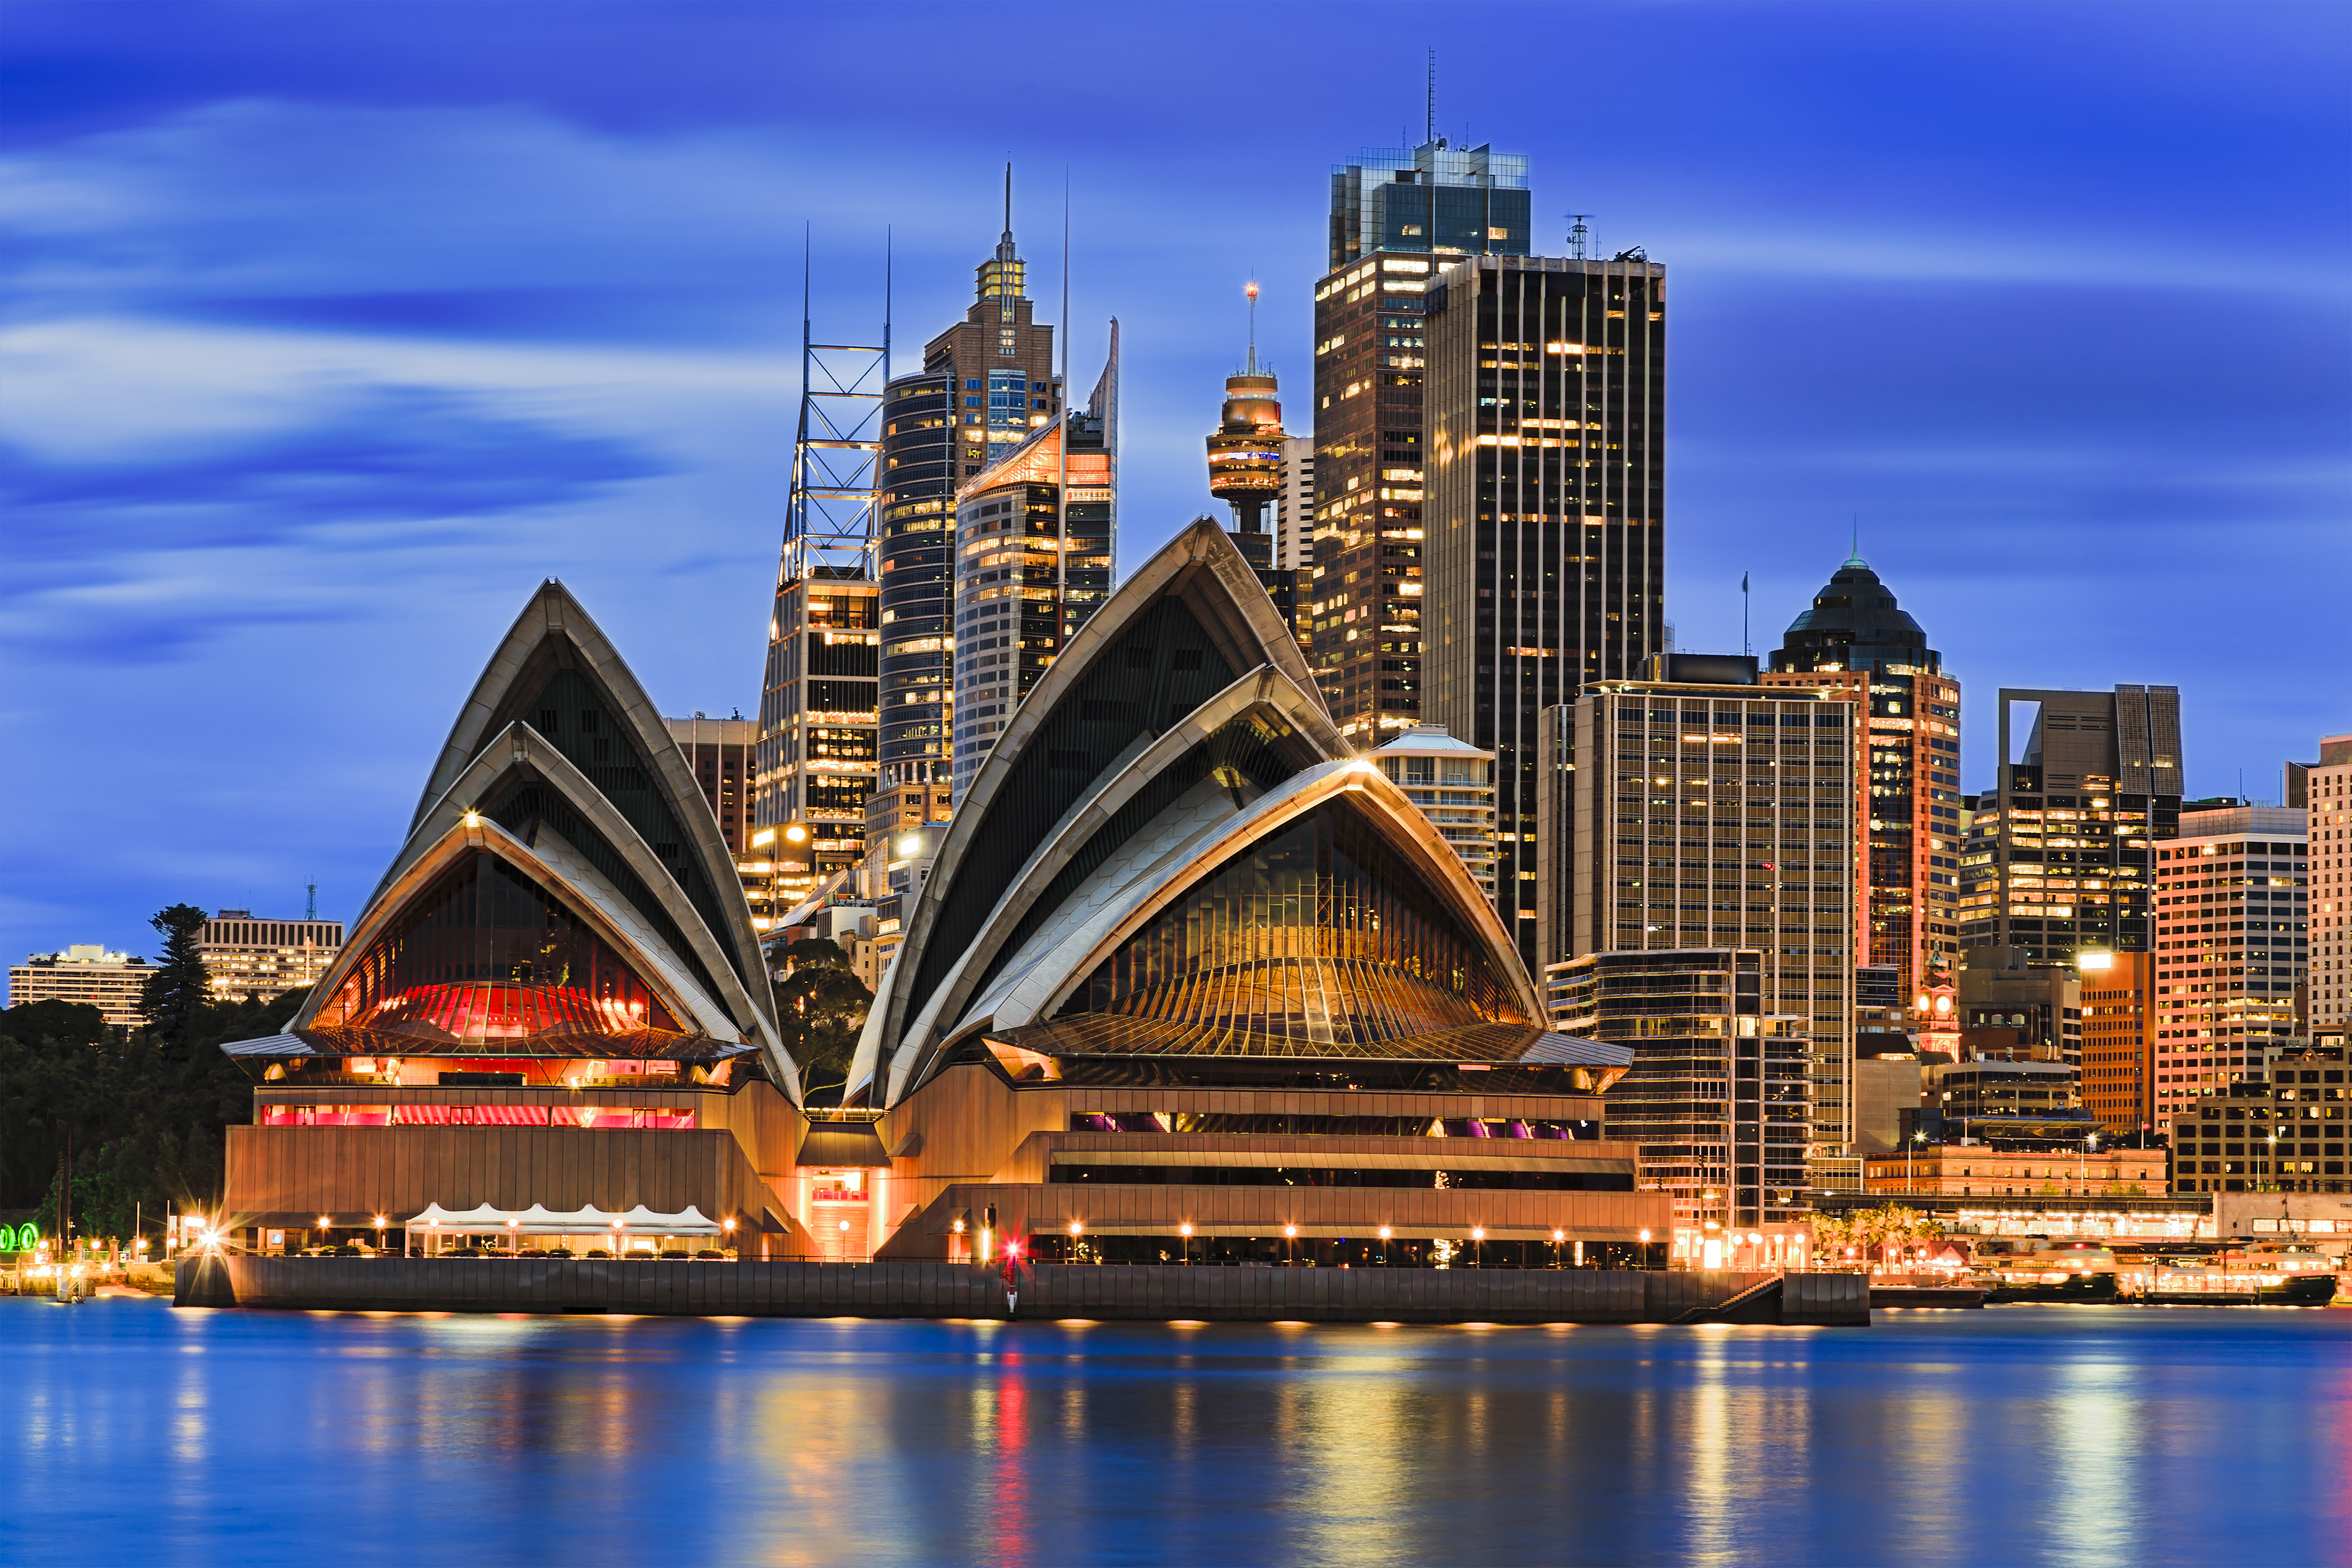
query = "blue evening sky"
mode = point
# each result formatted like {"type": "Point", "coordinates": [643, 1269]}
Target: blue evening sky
{"type": "Point", "coordinates": [330, 330]}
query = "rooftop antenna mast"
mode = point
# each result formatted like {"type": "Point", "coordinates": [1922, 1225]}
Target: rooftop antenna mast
{"type": "Point", "coordinates": [1430, 118]}
{"type": "Point", "coordinates": [311, 909]}
{"type": "Point", "coordinates": [1250, 290]}
{"type": "Point", "coordinates": [1579, 236]}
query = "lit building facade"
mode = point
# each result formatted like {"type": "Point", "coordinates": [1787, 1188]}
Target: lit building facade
{"type": "Point", "coordinates": [1545, 512]}
{"type": "Point", "coordinates": [1032, 565]}
{"type": "Point", "coordinates": [1716, 1097]}
{"type": "Point", "coordinates": [820, 731]}
{"type": "Point", "coordinates": [1855, 629]}
{"type": "Point", "coordinates": [987, 384]}
{"type": "Point", "coordinates": [1245, 472]}
{"type": "Point", "coordinates": [2232, 940]}
{"type": "Point", "coordinates": [1453, 781]}
{"type": "Point", "coordinates": [1294, 509]}
{"type": "Point", "coordinates": [2119, 997]}
{"type": "Point", "coordinates": [256, 960]}
{"type": "Point", "coordinates": [88, 974]}
{"type": "Point", "coordinates": [2327, 790]}
{"type": "Point", "coordinates": [1174, 907]}
{"type": "Point", "coordinates": [1677, 816]}
{"type": "Point", "coordinates": [2059, 857]}
{"type": "Point", "coordinates": [1397, 217]}
{"type": "Point", "coordinates": [2277, 1131]}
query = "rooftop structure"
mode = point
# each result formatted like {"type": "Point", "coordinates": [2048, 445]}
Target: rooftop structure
{"type": "Point", "coordinates": [249, 959]}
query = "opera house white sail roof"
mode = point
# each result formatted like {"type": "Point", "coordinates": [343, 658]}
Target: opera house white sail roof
{"type": "Point", "coordinates": [1172, 852]}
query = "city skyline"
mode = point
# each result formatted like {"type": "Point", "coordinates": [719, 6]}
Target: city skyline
{"type": "Point", "coordinates": [276, 428]}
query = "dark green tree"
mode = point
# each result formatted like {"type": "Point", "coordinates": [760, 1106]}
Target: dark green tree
{"type": "Point", "coordinates": [179, 991]}
{"type": "Point", "coordinates": [820, 1008]}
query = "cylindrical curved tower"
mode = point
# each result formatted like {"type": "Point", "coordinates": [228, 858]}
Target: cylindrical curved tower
{"type": "Point", "coordinates": [1245, 450]}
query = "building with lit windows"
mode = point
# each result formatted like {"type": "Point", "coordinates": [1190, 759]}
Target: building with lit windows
{"type": "Point", "coordinates": [1544, 564]}
{"type": "Point", "coordinates": [1035, 534]}
{"type": "Point", "coordinates": [1294, 509]}
{"type": "Point", "coordinates": [2281, 1129]}
{"type": "Point", "coordinates": [2119, 997]}
{"type": "Point", "coordinates": [86, 974]}
{"type": "Point", "coordinates": [1855, 637]}
{"type": "Point", "coordinates": [253, 959]}
{"type": "Point", "coordinates": [1190, 979]}
{"type": "Point", "coordinates": [1679, 815]}
{"type": "Point", "coordinates": [823, 728]}
{"type": "Point", "coordinates": [2327, 791]}
{"type": "Point", "coordinates": [2060, 854]}
{"type": "Point", "coordinates": [1453, 781]}
{"type": "Point", "coordinates": [1245, 472]}
{"type": "Point", "coordinates": [988, 382]}
{"type": "Point", "coordinates": [2232, 934]}
{"type": "Point", "coordinates": [1397, 217]}
{"type": "Point", "coordinates": [1716, 1097]}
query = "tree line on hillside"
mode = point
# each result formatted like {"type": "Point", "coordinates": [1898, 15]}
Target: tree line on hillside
{"type": "Point", "coordinates": [142, 1111]}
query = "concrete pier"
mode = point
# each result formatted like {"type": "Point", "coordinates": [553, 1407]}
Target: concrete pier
{"type": "Point", "coordinates": [915, 1288]}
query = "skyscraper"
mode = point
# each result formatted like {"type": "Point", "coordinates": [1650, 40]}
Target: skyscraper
{"type": "Point", "coordinates": [2233, 914]}
{"type": "Point", "coordinates": [1397, 215]}
{"type": "Point", "coordinates": [2059, 856]}
{"type": "Point", "coordinates": [987, 384]}
{"type": "Point", "coordinates": [1855, 634]}
{"type": "Point", "coordinates": [1676, 814]}
{"type": "Point", "coordinates": [1035, 534]}
{"type": "Point", "coordinates": [2328, 789]}
{"type": "Point", "coordinates": [1545, 512]}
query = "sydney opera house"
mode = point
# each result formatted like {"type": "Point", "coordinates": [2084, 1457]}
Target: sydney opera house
{"type": "Point", "coordinates": [1190, 981]}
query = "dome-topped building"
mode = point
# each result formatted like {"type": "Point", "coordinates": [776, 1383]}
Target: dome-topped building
{"type": "Point", "coordinates": [1855, 623]}
{"type": "Point", "coordinates": [1856, 640]}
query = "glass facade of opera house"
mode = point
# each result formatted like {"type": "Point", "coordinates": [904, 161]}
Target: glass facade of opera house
{"type": "Point", "coordinates": [1189, 982]}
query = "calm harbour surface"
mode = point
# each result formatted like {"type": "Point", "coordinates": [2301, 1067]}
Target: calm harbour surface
{"type": "Point", "coordinates": [2059, 1435]}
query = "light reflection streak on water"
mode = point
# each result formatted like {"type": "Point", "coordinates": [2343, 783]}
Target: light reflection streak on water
{"type": "Point", "coordinates": [2092, 1435]}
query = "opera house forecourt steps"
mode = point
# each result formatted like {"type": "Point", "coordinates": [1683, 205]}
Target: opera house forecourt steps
{"type": "Point", "coordinates": [1196, 1017]}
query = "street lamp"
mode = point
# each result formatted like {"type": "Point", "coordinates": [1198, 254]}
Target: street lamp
{"type": "Point", "coordinates": [1478, 1247]}
{"type": "Point", "coordinates": [1556, 1237]}
{"type": "Point", "coordinates": [1385, 1233]}
{"type": "Point", "coordinates": [1185, 1231]}
{"type": "Point", "coordinates": [1291, 1245]}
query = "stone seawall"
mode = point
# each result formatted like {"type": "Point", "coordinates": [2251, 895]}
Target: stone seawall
{"type": "Point", "coordinates": [930, 1289]}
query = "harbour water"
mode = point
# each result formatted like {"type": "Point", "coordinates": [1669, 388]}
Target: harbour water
{"type": "Point", "coordinates": [2021, 1435]}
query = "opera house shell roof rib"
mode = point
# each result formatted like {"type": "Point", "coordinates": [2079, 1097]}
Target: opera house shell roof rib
{"type": "Point", "coordinates": [563, 892]}
{"type": "Point", "coordinates": [1172, 853]}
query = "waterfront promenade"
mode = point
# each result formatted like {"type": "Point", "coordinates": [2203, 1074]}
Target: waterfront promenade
{"type": "Point", "coordinates": [689, 1288]}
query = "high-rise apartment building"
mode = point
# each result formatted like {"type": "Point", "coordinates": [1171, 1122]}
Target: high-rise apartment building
{"type": "Point", "coordinates": [988, 382]}
{"type": "Point", "coordinates": [2059, 856]}
{"type": "Point", "coordinates": [1716, 1096]}
{"type": "Point", "coordinates": [2327, 790]}
{"type": "Point", "coordinates": [1397, 217]}
{"type": "Point", "coordinates": [1294, 508]}
{"type": "Point", "coordinates": [85, 973]}
{"type": "Point", "coordinates": [1678, 815]}
{"type": "Point", "coordinates": [1033, 563]}
{"type": "Point", "coordinates": [1545, 512]}
{"type": "Point", "coordinates": [1855, 636]}
{"type": "Point", "coordinates": [1453, 781]}
{"type": "Point", "coordinates": [2233, 914]}
{"type": "Point", "coordinates": [256, 960]}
